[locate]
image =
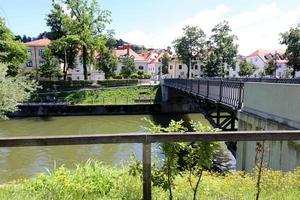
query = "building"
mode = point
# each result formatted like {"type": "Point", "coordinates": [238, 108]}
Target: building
{"type": "Point", "coordinates": [177, 69]}
{"type": "Point", "coordinates": [122, 52]}
{"type": "Point", "coordinates": [234, 72]}
{"type": "Point", "coordinates": [36, 51]}
{"type": "Point", "coordinates": [260, 59]}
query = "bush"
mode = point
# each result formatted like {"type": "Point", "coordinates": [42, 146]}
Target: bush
{"type": "Point", "coordinates": [134, 76]}
{"type": "Point", "coordinates": [118, 76]}
{"type": "Point", "coordinates": [147, 76]}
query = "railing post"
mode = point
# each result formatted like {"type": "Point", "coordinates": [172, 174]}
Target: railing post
{"type": "Point", "coordinates": [221, 90]}
{"type": "Point", "coordinates": [191, 85]}
{"type": "Point", "coordinates": [207, 89]}
{"type": "Point", "coordinates": [186, 84]}
{"type": "Point", "coordinates": [198, 87]}
{"type": "Point", "coordinates": [147, 171]}
{"type": "Point", "coordinates": [240, 95]}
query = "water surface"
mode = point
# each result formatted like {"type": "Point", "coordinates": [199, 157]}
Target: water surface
{"type": "Point", "coordinates": [25, 162]}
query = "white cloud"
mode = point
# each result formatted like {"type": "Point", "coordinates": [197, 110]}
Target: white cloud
{"type": "Point", "coordinates": [258, 28]}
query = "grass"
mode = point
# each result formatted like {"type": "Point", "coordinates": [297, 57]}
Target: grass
{"type": "Point", "coordinates": [96, 181]}
{"type": "Point", "coordinates": [109, 96]}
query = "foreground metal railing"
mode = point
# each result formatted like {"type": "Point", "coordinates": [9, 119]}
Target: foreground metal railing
{"type": "Point", "coordinates": [147, 140]}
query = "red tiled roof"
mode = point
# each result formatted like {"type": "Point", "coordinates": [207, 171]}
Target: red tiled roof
{"type": "Point", "coordinates": [38, 43]}
{"type": "Point", "coordinates": [261, 53]}
{"type": "Point", "coordinates": [122, 52]}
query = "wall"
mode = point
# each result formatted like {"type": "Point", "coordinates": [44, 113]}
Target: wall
{"type": "Point", "coordinates": [270, 107]}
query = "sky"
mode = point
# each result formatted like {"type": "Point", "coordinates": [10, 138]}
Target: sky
{"type": "Point", "coordinates": [156, 23]}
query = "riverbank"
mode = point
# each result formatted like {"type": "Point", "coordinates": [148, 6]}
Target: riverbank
{"type": "Point", "coordinates": [96, 181]}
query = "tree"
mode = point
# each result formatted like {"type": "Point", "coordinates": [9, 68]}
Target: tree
{"type": "Point", "coordinates": [13, 90]}
{"type": "Point", "coordinates": [291, 38]}
{"type": "Point", "coordinates": [51, 66]}
{"type": "Point", "coordinates": [270, 68]}
{"type": "Point", "coordinates": [13, 52]}
{"type": "Point", "coordinates": [190, 46]}
{"type": "Point", "coordinates": [165, 63]}
{"type": "Point", "coordinates": [106, 62]}
{"type": "Point", "coordinates": [222, 50]}
{"type": "Point", "coordinates": [85, 21]}
{"type": "Point", "coordinates": [246, 68]}
{"type": "Point", "coordinates": [128, 67]}
{"type": "Point", "coordinates": [66, 49]}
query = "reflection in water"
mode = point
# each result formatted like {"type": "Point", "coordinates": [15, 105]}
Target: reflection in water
{"type": "Point", "coordinates": [23, 162]}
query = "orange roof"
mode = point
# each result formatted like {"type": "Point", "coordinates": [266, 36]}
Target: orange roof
{"type": "Point", "coordinates": [123, 52]}
{"type": "Point", "coordinates": [38, 43]}
{"type": "Point", "coordinates": [261, 53]}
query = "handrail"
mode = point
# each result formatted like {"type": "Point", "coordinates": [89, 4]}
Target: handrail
{"type": "Point", "coordinates": [147, 139]}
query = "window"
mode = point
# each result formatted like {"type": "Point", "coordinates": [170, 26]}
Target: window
{"type": "Point", "coordinates": [180, 67]}
{"type": "Point", "coordinates": [78, 78]}
{"type": "Point", "coordinates": [30, 52]}
{"type": "Point", "coordinates": [41, 62]}
{"type": "Point", "coordinates": [171, 67]}
{"type": "Point", "coordinates": [41, 52]}
{"type": "Point", "coordinates": [141, 67]}
{"type": "Point", "coordinates": [192, 67]}
{"type": "Point", "coordinates": [77, 70]}
{"type": "Point", "coordinates": [29, 64]}
{"type": "Point", "coordinates": [196, 67]}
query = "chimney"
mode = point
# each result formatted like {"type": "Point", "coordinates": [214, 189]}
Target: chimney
{"type": "Point", "coordinates": [127, 47]}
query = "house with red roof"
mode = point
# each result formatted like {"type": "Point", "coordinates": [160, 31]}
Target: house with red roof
{"type": "Point", "coordinates": [261, 57]}
{"type": "Point", "coordinates": [122, 52]}
{"type": "Point", "coordinates": [36, 51]}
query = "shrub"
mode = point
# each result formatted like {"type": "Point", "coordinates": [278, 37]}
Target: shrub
{"type": "Point", "coordinates": [134, 76]}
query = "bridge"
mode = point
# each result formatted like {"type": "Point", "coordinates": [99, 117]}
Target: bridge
{"type": "Point", "coordinates": [219, 98]}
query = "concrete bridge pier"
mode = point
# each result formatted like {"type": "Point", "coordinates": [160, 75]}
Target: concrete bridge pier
{"type": "Point", "coordinates": [270, 106]}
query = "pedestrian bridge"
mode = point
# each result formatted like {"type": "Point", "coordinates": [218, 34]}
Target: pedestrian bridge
{"type": "Point", "coordinates": [219, 98]}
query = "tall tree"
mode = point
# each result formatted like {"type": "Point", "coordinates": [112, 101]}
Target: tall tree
{"type": "Point", "coordinates": [222, 50]}
{"type": "Point", "coordinates": [165, 63]}
{"type": "Point", "coordinates": [13, 90]}
{"type": "Point", "coordinates": [88, 21]}
{"type": "Point", "coordinates": [13, 52]}
{"type": "Point", "coordinates": [128, 67]}
{"type": "Point", "coordinates": [271, 67]}
{"type": "Point", "coordinates": [291, 38]}
{"type": "Point", "coordinates": [246, 68]}
{"type": "Point", "coordinates": [84, 20]}
{"type": "Point", "coordinates": [106, 61]}
{"type": "Point", "coordinates": [190, 46]}
{"type": "Point", "coordinates": [51, 67]}
{"type": "Point", "coordinates": [66, 49]}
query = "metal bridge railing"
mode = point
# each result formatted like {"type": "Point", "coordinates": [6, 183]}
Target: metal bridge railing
{"type": "Point", "coordinates": [147, 140]}
{"type": "Point", "coordinates": [227, 92]}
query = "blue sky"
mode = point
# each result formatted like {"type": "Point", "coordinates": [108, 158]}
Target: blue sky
{"type": "Point", "coordinates": [156, 23]}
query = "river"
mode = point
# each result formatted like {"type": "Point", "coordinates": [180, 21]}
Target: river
{"type": "Point", "coordinates": [25, 162]}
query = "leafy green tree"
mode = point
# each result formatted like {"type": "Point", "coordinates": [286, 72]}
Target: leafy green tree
{"type": "Point", "coordinates": [13, 52]}
{"type": "Point", "coordinates": [246, 68]}
{"type": "Point", "coordinates": [291, 38]}
{"type": "Point", "coordinates": [84, 20]}
{"type": "Point", "coordinates": [222, 50]}
{"type": "Point", "coordinates": [13, 90]}
{"type": "Point", "coordinates": [65, 49]}
{"type": "Point", "coordinates": [128, 67]}
{"type": "Point", "coordinates": [190, 46]}
{"type": "Point", "coordinates": [270, 68]}
{"type": "Point", "coordinates": [51, 67]}
{"type": "Point", "coordinates": [106, 62]}
{"type": "Point", "coordinates": [165, 63]}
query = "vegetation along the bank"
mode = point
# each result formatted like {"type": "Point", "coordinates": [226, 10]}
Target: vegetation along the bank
{"type": "Point", "coordinates": [107, 96]}
{"type": "Point", "coordinates": [96, 181]}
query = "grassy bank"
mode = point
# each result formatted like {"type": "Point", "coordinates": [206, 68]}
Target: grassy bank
{"type": "Point", "coordinates": [109, 96]}
{"type": "Point", "coordinates": [95, 181]}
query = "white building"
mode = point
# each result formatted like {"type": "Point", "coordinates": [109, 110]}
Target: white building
{"type": "Point", "coordinates": [140, 62]}
{"type": "Point", "coordinates": [260, 59]}
{"type": "Point", "coordinates": [77, 72]}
